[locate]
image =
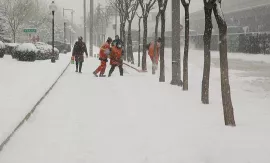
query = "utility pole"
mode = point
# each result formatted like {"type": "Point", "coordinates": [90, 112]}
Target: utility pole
{"type": "Point", "coordinates": [84, 17]}
{"type": "Point", "coordinates": [91, 27]}
{"type": "Point", "coordinates": [71, 25]}
{"type": "Point", "coordinates": [71, 34]}
{"type": "Point", "coordinates": [65, 23]}
{"type": "Point", "coordinates": [176, 51]}
{"type": "Point", "coordinates": [116, 22]}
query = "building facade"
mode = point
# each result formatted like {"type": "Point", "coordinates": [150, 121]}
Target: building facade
{"type": "Point", "coordinates": [249, 15]}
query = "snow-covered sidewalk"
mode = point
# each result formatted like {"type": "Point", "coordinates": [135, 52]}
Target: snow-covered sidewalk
{"type": "Point", "coordinates": [22, 84]}
{"type": "Point", "coordinates": [137, 119]}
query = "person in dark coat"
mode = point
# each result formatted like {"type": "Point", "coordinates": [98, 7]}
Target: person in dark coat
{"type": "Point", "coordinates": [117, 41]}
{"type": "Point", "coordinates": [78, 52]}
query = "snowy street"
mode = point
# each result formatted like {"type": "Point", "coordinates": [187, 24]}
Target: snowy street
{"type": "Point", "coordinates": [76, 87]}
{"type": "Point", "coordinates": [136, 119]}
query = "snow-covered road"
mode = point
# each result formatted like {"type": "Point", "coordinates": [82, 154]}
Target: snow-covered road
{"type": "Point", "coordinates": [136, 119]}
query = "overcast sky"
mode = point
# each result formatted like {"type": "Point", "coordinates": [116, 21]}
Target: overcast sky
{"type": "Point", "coordinates": [77, 5]}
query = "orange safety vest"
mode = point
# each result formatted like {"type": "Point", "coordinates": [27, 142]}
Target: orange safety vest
{"type": "Point", "coordinates": [104, 47]}
{"type": "Point", "coordinates": [115, 56]}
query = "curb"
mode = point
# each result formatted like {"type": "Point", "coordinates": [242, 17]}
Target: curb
{"type": "Point", "coordinates": [28, 115]}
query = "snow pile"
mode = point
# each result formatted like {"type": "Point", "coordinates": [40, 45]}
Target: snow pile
{"type": "Point", "coordinates": [43, 47]}
{"type": "Point", "coordinates": [56, 50]}
{"type": "Point", "coordinates": [27, 47]}
{"type": "Point", "coordinates": [12, 44]}
{"type": "Point", "coordinates": [44, 51]}
{"type": "Point", "coordinates": [2, 49]}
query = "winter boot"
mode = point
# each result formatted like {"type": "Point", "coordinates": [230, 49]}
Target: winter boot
{"type": "Point", "coordinates": [102, 75]}
{"type": "Point", "coordinates": [95, 74]}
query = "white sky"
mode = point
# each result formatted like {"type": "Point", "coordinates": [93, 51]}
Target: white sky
{"type": "Point", "coordinates": [77, 5]}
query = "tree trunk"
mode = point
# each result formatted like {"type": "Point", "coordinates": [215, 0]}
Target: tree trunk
{"type": "Point", "coordinates": [14, 37]}
{"type": "Point", "coordinates": [176, 65]}
{"type": "Point", "coordinates": [139, 37]}
{"type": "Point", "coordinates": [144, 65]}
{"type": "Point", "coordinates": [162, 61]}
{"type": "Point", "coordinates": [121, 27]}
{"type": "Point", "coordinates": [129, 44]}
{"type": "Point", "coordinates": [185, 61]}
{"type": "Point", "coordinates": [225, 84]}
{"type": "Point", "coordinates": [155, 52]}
{"type": "Point", "coordinates": [207, 59]}
{"type": "Point", "coordinates": [124, 39]}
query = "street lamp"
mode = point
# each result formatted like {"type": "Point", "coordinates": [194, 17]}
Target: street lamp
{"type": "Point", "coordinates": [53, 8]}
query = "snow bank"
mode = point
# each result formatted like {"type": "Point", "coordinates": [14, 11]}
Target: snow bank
{"type": "Point", "coordinates": [56, 50]}
{"type": "Point", "coordinates": [27, 47]}
{"type": "Point", "coordinates": [43, 47]}
{"type": "Point", "coordinates": [12, 44]}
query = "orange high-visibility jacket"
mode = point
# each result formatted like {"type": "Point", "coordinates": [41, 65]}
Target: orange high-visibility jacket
{"type": "Point", "coordinates": [151, 49]}
{"type": "Point", "coordinates": [103, 48]}
{"type": "Point", "coordinates": [115, 56]}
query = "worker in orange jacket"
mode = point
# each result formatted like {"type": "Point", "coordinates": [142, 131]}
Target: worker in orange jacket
{"type": "Point", "coordinates": [103, 57]}
{"type": "Point", "coordinates": [151, 51]}
{"type": "Point", "coordinates": [116, 59]}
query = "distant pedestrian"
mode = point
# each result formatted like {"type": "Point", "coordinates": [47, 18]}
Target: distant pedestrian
{"type": "Point", "coordinates": [103, 57]}
{"type": "Point", "coordinates": [151, 51]}
{"type": "Point", "coordinates": [78, 52]}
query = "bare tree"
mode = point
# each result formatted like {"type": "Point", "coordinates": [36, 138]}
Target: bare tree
{"type": "Point", "coordinates": [101, 21]}
{"type": "Point", "coordinates": [3, 23]}
{"type": "Point", "coordinates": [131, 8]}
{"type": "Point", "coordinates": [39, 14]}
{"type": "Point", "coordinates": [176, 53]}
{"type": "Point", "coordinates": [139, 39]}
{"type": "Point", "coordinates": [162, 4]}
{"type": "Point", "coordinates": [121, 6]}
{"type": "Point", "coordinates": [225, 84]}
{"type": "Point", "coordinates": [208, 7]}
{"type": "Point", "coordinates": [186, 4]}
{"type": "Point", "coordinates": [16, 12]}
{"type": "Point", "coordinates": [155, 46]}
{"type": "Point", "coordinates": [146, 6]}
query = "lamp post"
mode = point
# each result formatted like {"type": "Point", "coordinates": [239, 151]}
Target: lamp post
{"type": "Point", "coordinates": [91, 27]}
{"type": "Point", "coordinates": [65, 32]}
{"type": "Point", "coordinates": [53, 8]}
{"type": "Point", "coordinates": [71, 32]}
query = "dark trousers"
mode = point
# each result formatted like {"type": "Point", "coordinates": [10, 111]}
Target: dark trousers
{"type": "Point", "coordinates": [79, 64]}
{"type": "Point", "coordinates": [121, 70]}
